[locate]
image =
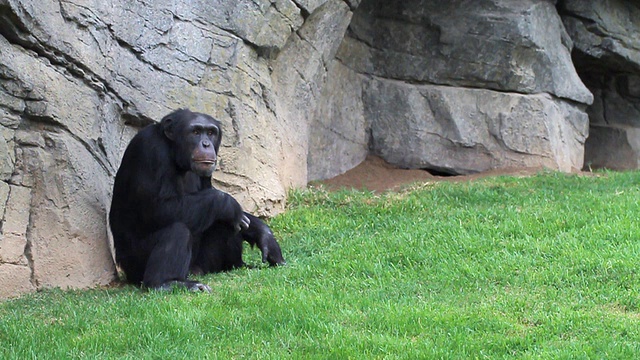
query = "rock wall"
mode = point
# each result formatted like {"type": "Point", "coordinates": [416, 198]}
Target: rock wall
{"type": "Point", "coordinates": [460, 89]}
{"type": "Point", "coordinates": [607, 55]}
{"type": "Point", "coordinates": [305, 89]}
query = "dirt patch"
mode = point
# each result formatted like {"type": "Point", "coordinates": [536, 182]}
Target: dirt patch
{"type": "Point", "coordinates": [375, 174]}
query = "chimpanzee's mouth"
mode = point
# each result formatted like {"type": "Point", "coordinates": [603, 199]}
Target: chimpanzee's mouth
{"type": "Point", "coordinates": [205, 161]}
{"type": "Point", "coordinates": [203, 167]}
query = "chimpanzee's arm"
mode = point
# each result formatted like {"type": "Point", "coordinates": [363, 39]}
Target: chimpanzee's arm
{"type": "Point", "coordinates": [200, 210]}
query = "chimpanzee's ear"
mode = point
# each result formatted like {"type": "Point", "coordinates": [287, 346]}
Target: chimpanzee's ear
{"type": "Point", "coordinates": [167, 126]}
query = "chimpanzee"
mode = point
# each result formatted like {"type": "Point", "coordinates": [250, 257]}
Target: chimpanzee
{"type": "Point", "coordinates": [167, 219]}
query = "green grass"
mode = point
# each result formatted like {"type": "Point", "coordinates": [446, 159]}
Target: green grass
{"type": "Point", "coordinates": [532, 268]}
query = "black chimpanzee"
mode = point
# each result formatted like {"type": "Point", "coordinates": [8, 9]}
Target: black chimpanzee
{"type": "Point", "coordinates": [167, 219]}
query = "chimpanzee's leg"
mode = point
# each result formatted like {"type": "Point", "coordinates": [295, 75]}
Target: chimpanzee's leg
{"type": "Point", "coordinates": [220, 249]}
{"type": "Point", "coordinates": [168, 263]}
{"type": "Point", "coordinates": [133, 267]}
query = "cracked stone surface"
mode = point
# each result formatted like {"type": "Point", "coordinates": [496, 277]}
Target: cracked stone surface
{"type": "Point", "coordinates": [305, 90]}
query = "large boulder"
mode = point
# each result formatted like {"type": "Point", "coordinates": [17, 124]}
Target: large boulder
{"type": "Point", "coordinates": [54, 225]}
{"type": "Point", "coordinates": [607, 55]}
{"type": "Point", "coordinates": [512, 46]}
{"type": "Point", "coordinates": [604, 32]}
{"type": "Point", "coordinates": [462, 131]}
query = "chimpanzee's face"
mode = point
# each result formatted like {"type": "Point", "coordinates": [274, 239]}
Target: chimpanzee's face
{"type": "Point", "coordinates": [196, 139]}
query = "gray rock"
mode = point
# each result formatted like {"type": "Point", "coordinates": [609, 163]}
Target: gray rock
{"type": "Point", "coordinates": [461, 131]}
{"type": "Point", "coordinates": [338, 130]}
{"type": "Point", "coordinates": [14, 232]}
{"type": "Point", "coordinates": [68, 246]}
{"type": "Point", "coordinates": [15, 280]}
{"type": "Point", "coordinates": [309, 6]}
{"type": "Point", "coordinates": [612, 147]}
{"type": "Point", "coordinates": [606, 31]}
{"type": "Point", "coordinates": [299, 74]}
{"type": "Point", "coordinates": [607, 54]}
{"type": "Point", "coordinates": [514, 46]}
{"type": "Point", "coordinates": [6, 147]}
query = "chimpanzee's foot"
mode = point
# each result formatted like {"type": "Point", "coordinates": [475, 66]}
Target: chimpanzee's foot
{"type": "Point", "coordinates": [188, 284]}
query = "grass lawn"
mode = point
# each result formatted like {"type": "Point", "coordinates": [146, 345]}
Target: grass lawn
{"type": "Point", "coordinates": [538, 267]}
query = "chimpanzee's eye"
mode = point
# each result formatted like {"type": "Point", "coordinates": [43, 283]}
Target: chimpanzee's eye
{"type": "Point", "coordinates": [196, 131]}
{"type": "Point", "coordinates": [210, 133]}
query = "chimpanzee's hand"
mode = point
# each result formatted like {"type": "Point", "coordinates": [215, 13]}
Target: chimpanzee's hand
{"type": "Point", "coordinates": [260, 235]}
{"type": "Point", "coordinates": [240, 221]}
{"type": "Point", "coordinates": [270, 249]}
{"type": "Point", "coordinates": [230, 211]}
{"type": "Point", "coordinates": [243, 224]}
